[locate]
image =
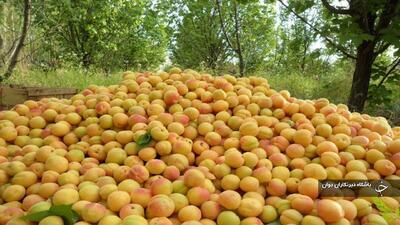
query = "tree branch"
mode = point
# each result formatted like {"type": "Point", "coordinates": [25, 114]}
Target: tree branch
{"type": "Point", "coordinates": [327, 39]}
{"type": "Point", "coordinates": [335, 10]}
{"type": "Point", "coordinates": [387, 15]}
{"type": "Point", "coordinates": [20, 44]}
{"type": "Point", "coordinates": [382, 49]}
{"type": "Point", "coordinates": [395, 63]}
{"type": "Point", "coordinates": [223, 25]}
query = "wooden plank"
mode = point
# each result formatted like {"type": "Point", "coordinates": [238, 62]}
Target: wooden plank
{"type": "Point", "coordinates": [13, 96]}
{"type": "Point", "coordinates": [51, 91]}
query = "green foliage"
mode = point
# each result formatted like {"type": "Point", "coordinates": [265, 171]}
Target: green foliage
{"type": "Point", "coordinates": [144, 140]}
{"type": "Point", "coordinates": [65, 211]}
{"type": "Point", "coordinates": [199, 41]}
{"type": "Point", "coordinates": [107, 34]}
{"type": "Point", "coordinates": [386, 212]}
{"type": "Point", "coordinates": [197, 38]}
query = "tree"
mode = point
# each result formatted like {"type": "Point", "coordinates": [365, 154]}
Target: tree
{"type": "Point", "coordinates": [15, 51]}
{"type": "Point", "coordinates": [105, 34]}
{"type": "Point", "coordinates": [362, 30]}
{"type": "Point", "coordinates": [247, 28]}
{"type": "Point", "coordinates": [198, 40]}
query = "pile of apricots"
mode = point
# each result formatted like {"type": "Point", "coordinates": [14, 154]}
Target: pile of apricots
{"type": "Point", "coordinates": [223, 150]}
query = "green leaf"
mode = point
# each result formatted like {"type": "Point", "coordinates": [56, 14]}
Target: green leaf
{"type": "Point", "coordinates": [144, 140]}
{"type": "Point", "coordinates": [36, 217]}
{"type": "Point", "coordinates": [276, 222]}
{"type": "Point", "coordinates": [381, 205]}
{"type": "Point", "coordinates": [65, 211]}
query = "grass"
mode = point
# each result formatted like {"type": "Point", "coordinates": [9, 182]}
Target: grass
{"type": "Point", "coordinates": [63, 78]}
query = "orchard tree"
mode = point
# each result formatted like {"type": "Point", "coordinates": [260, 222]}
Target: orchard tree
{"type": "Point", "coordinates": [10, 56]}
{"type": "Point", "coordinates": [104, 33]}
{"type": "Point", "coordinates": [247, 28]}
{"type": "Point", "coordinates": [361, 30]}
{"type": "Point", "coordinates": [197, 40]}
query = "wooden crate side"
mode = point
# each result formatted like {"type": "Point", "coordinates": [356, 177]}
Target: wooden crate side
{"type": "Point", "coordinates": [50, 91]}
{"type": "Point", "coordinates": [12, 96]}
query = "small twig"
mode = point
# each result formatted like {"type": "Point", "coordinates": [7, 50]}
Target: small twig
{"type": "Point", "coordinates": [392, 66]}
{"type": "Point", "coordinates": [337, 46]}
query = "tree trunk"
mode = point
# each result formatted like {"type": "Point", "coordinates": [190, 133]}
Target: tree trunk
{"type": "Point", "coordinates": [361, 76]}
{"type": "Point", "coordinates": [1, 51]}
{"type": "Point", "coordinates": [86, 60]}
{"type": "Point", "coordinates": [20, 44]}
{"type": "Point", "coordinates": [238, 44]}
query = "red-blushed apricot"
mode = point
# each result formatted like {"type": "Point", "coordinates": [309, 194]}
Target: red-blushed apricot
{"type": "Point", "coordinates": [193, 178]}
{"type": "Point", "coordinates": [160, 206]}
{"type": "Point", "coordinates": [276, 187]}
{"type": "Point", "coordinates": [263, 174]}
{"type": "Point", "coordinates": [210, 209]}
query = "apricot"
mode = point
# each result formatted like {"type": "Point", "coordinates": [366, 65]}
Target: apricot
{"type": "Point", "coordinates": [276, 187]}
{"type": "Point", "coordinates": [363, 207]}
{"type": "Point", "coordinates": [24, 178]}
{"type": "Point", "coordinates": [230, 182]}
{"type": "Point", "coordinates": [93, 212]}
{"type": "Point", "coordinates": [188, 213]}
{"type": "Point", "coordinates": [315, 170]}
{"type": "Point", "coordinates": [350, 210]}
{"type": "Point", "coordinates": [228, 218]}
{"type": "Point", "coordinates": [13, 192]}
{"type": "Point", "coordinates": [198, 195]}
{"type": "Point", "coordinates": [229, 199]}
{"type": "Point", "coordinates": [110, 220]}
{"type": "Point", "coordinates": [302, 137]}
{"type": "Point", "coordinates": [373, 219]}
{"type": "Point", "coordinates": [131, 209]}
{"type": "Point", "coordinates": [160, 206]}
{"type": "Point", "coordinates": [52, 220]}
{"type": "Point", "coordinates": [291, 216]}
{"type": "Point", "coordinates": [117, 199]}
{"type": "Point", "coordinates": [56, 163]}
{"type": "Point", "coordinates": [312, 220]}
{"type": "Point", "coordinates": [161, 186]}
{"type": "Point", "coordinates": [268, 214]}
{"type": "Point", "coordinates": [302, 204]}
{"type": "Point", "coordinates": [210, 209]}
{"type": "Point", "coordinates": [249, 207]}
{"type": "Point", "coordinates": [384, 167]}
{"type": "Point", "coordinates": [138, 173]}
{"type": "Point", "coordinates": [249, 183]}
{"type": "Point", "coordinates": [248, 143]}
{"type": "Point", "coordinates": [141, 196]}
{"type": "Point", "coordinates": [309, 187]}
